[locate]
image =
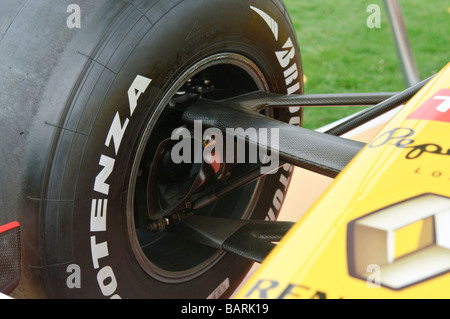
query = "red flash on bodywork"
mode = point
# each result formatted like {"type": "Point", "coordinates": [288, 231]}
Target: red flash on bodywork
{"type": "Point", "coordinates": [437, 108]}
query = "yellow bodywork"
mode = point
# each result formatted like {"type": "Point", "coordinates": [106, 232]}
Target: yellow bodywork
{"type": "Point", "coordinates": [382, 229]}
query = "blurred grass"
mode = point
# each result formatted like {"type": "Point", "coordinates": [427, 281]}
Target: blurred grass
{"type": "Point", "coordinates": [341, 54]}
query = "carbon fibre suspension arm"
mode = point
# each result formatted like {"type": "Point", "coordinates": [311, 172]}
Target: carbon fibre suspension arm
{"type": "Point", "coordinates": [321, 153]}
{"type": "Point", "coordinates": [247, 238]}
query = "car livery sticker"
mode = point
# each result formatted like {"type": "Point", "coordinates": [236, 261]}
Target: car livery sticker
{"type": "Point", "coordinates": [436, 108]}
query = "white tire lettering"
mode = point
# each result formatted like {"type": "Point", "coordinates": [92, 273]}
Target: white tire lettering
{"type": "Point", "coordinates": [285, 56]}
{"type": "Point", "coordinates": [100, 181]}
{"type": "Point", "coordinates": [107, 281]}
{"type": "Point", "coordinates": [105, 276]}
{"type": "Point", "coordinates": [138, 87]}
{"type": "Point", "coordinates": [291, 74]}
{"type": "Point", "coordinates": [98, 215]}
{"type": "Point", "coordinates": [99, 251]}
{"type": "Point", "coordinates": [273, 25]}
{"type": "Point", "coordinates": [116, 132]}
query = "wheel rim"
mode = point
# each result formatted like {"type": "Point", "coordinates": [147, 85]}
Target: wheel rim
{"type": "Point", "coordinates": [166, 256]}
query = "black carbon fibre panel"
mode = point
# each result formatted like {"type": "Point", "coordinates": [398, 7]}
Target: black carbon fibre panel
{"type": "Point", "coordinates": [321, 153]}
{"type": "Point", "coordinates": [252, 239]}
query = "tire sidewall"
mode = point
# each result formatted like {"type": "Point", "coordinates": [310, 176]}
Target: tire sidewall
{"type": "Point", "coordinates": [103, 259]}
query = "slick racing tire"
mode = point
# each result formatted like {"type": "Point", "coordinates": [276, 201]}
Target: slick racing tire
{"type": "Point", "coordinates": [85, 95]}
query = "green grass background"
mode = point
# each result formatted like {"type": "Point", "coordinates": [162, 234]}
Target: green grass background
{"type": "Point", "coordinates": [341, 54]}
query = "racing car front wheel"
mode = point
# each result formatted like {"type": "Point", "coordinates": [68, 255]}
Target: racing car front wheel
{"type": "Point", "coordinates": [87, 108]}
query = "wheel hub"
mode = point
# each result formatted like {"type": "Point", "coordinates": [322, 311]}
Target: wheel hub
{"type": "Point", "coordinates": [161, 192]}
{"type": "Point", "coordinates": [171, 186]}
